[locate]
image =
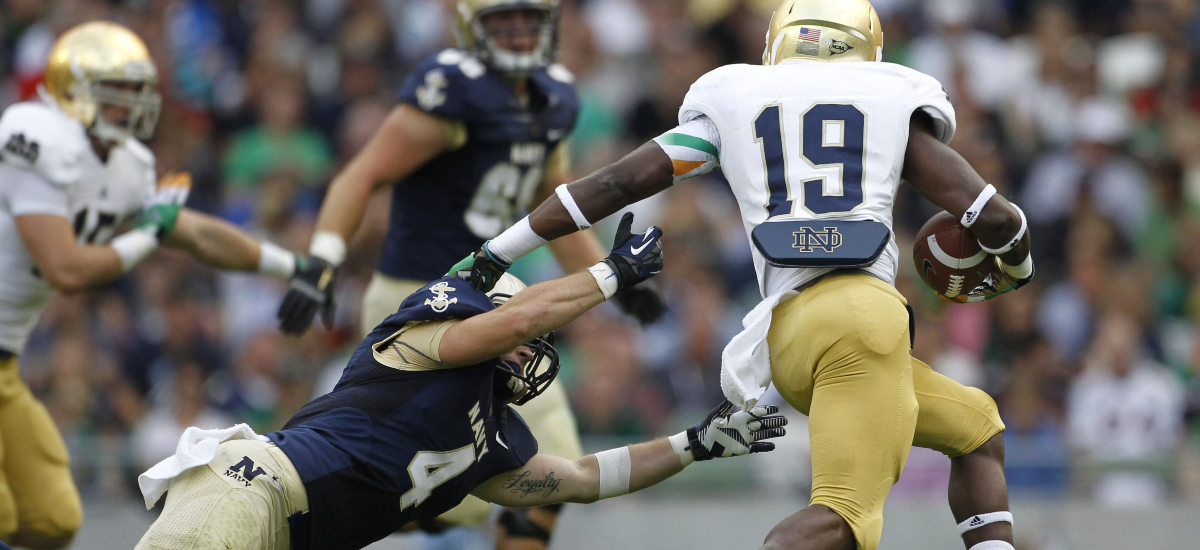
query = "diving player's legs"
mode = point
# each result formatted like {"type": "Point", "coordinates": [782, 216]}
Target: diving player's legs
{"type": "Point", "coordinates": [840, 354]}
{"type": "Point", "coordinates": [41, 491]}
{"type": "Point", "coordinates": [549, 418]}
{"type": "Point", "coordinates": [963, 423]}
{"type": "Point", "coordinates": [239, 501]}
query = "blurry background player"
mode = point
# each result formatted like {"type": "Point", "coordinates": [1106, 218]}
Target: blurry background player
{"type": "Point", "coordinates": [478, 135]}
{"type": "Point", "coordinates": [73, 176]}
{"type": "Point", "coordinates": [835, 341]}
{"type": "Point", "coordinates": [420, 419]}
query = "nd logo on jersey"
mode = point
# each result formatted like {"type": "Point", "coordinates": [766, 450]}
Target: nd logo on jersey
{"type": "Point", "coordinates": [808, 239]}
{"type": "Point", "coordinates": [440, 302]}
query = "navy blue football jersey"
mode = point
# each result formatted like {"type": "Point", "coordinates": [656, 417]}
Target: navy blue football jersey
{"type": "Point", "coordinates": [389, 446]}
{"type": "Point", "coordinates": [450, 205]}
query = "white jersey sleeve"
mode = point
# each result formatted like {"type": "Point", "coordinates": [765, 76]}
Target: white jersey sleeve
{"type": "Point", "coordinates": [929, 96]}
{"type": "Point", "coordinates": [40, 138]}
{"type": "Point", "coordinates": [693, 146]}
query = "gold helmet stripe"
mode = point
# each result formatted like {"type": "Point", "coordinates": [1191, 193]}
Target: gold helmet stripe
{"type": "Point", "coordinates": [837, 26]}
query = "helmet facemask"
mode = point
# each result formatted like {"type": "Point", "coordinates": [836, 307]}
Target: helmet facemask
{"type": "Point", "coordinates": [518, 385]}
{"type": "Point", "coordinates": [488, 38]}
{"type": "Point", "coordinates": [140, 99]}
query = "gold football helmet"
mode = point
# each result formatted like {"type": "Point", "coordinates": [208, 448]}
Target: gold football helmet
{"type": "Point", "coordinates": [473, 38]}
{"type": "Point", "coordinates": [101, 64]}
{"type": "Point", "coordinates": [824, 30]}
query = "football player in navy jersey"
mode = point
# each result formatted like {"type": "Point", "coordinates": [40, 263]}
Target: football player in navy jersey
{"type": "Point", "coordinates": [477, 136]}
{"type": "Point", "coordinates": [421, 418]}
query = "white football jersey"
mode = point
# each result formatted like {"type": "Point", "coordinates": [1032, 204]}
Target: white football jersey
{"type": "Point", "coordinates": [47, 166]}
{"type": "Point", "coordinates": [807, 140]}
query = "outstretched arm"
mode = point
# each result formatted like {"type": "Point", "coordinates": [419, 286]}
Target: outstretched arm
{"type": "Point", "coordinates": [547, 306]}
{"type": "Point", "coordinates": [222, 245]}
{"type": "Point", "coordinates": [549, 479]}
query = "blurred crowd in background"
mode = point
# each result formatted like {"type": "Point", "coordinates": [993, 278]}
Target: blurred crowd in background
{"type": "Point", "coordinates": [1085, 112]}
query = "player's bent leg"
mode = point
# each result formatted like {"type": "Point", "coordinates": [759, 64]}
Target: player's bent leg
{"type": "Point", "coordinates": [37, 469]}
{"type": "Point", "coordinates": [964, 424]}
{"type": "Point", "coordinates": [812, 527]}
{"type": "Point", "coordinates": [839, 353]}
{"type": "Point", "coordinates": [239, 501]}
{"type": "Point", "coordinates": [383, 297]}
{"type": "Point", "coordinates": [526, 528]}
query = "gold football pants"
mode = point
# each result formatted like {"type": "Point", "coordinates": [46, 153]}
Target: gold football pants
{"type": "Point", "coordinates": [239, 501]}
{"type": "Point", "coordinates": [39, 504]}
{"type": "Point", "coordinates": [549, 416]}
{"type": "Point", "coordinates": [840, 354]}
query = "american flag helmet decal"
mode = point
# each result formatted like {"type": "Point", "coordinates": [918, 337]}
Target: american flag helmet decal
{"type": "Point", "coordinates": [810, 34]}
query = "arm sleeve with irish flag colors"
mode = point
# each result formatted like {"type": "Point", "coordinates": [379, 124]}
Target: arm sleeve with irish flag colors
{"type": "Point", "coordinates": [694, 147]}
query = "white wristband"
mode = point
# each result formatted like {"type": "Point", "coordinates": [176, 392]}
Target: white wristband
{"type": "Point", "coordinates": [993, 545]}
{"type": "Point", "coordinates": [133, 247]}
{"type": "Point", "coordinates": [275, 261]}
{"type": "Point", "coordinates": [515, 242]}
{"type": "Point", "coordinates": [679, 442]}
{"type": "Point", "coordinates": [606, 279]}
{"type": "Point", "coordinates": [328, 246]}
{"type": "Point", "coordinates": [1013, 241]}
{"type": "Point", "coordinates": [568, 202]}
{"type": "Point", "coordinates": [972, 213]}
{"type": "Point", "coordinates": [979, 520]}
{"type": "Point", "coordinates": [1022, 271]}
{"type": "Point", "coordinates": [615, 466]}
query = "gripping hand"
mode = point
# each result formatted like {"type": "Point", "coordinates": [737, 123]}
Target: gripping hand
{"type": "Point", "coordinates": [635, 258]}
{"type": "Point", "coordinates": [723, 434]}
{"type": "Point", "coordinates": [998, 282]}
{"type": "Point", "coordinates": [481, 269]}
{"type": "Point", "coordinates": [161, 210]}
{"type": "Point", "coordinates": [311, 290]}
{"type": "Point", "coordinates": [642, 302]}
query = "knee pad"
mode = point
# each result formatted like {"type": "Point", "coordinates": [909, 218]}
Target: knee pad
{"type": "Point", "coordinates": [517, 524]}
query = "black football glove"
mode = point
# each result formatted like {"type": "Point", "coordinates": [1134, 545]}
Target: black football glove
{"type": "Point", "coordinates": [723, 434]}
{"type": "Point", "coordinates": [635, 258]}
{"type": "Point", "coordinates": [481, 269]}
{"type": "Point", "coordinates": [312, 290]}
{"type": "Point", "coordinates": [641, 302]}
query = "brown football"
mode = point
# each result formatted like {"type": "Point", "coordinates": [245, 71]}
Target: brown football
{"type": "Point", "coordinates": [949, 259]}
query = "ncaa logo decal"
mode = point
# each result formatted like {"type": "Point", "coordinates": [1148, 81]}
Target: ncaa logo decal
{"type": "Point", "coordinates": [440, 301]}
{"type": "Point", "coordinates": [839, 47]}
{"type": "Point", "coordinates": [808, 239]}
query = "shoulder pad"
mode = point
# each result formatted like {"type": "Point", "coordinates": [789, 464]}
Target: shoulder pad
{"type": "Point", "coordinates": [443, 83]}
{"type": "Point", "coordinates": [560, 73]}
{"type": "Point", "coordinates": [38, 137]}
{"type": "Point", "coordinates": [699, 99]}
{"type": "Point", "coordinates": [450, 297]}
{"type": "Point", "coordinates": [926, 93]}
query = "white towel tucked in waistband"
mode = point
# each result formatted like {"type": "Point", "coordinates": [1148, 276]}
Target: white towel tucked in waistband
{"type": "Point", "coordinates": [196, 448]}
{"type": "Point", "coordinates": [746, 361]}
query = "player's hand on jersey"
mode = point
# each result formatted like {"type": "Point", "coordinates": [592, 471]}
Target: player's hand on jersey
{"type": "Point", "coordinates": [998, 282]}
{"type": "Point", "coordinates": [723, 434]}
{"type": "Point", "coordinates": [481, 269]}
{"type": "Point", "coordinates": [311, 291]}
{"type": "Point", "coordinates": [635, 257]}
{"type": "Point", "coordinates": [161, 210]}
{"type": "Point", "coordinates": [641, 302]}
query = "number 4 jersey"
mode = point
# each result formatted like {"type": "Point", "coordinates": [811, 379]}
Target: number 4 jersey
{"type": "Point", "coordinates": [503, 146]}
{"type": "Point", "coordinates": [806, 140]}
{"type": "Point", "coordinates": [47, 167]}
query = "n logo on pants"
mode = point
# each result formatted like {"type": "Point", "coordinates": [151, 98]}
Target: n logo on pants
{"type": "Point", "coordinates": [248, 471]}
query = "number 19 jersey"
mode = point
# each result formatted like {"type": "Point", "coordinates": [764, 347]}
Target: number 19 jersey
{"type": "Point", "coordinates": [807, 140]}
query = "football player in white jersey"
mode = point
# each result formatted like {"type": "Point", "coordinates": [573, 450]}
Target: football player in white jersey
{"type": "Point", "coordinates": [814, 144]}
{"type": "Point", "coordinates": [74, 174]}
